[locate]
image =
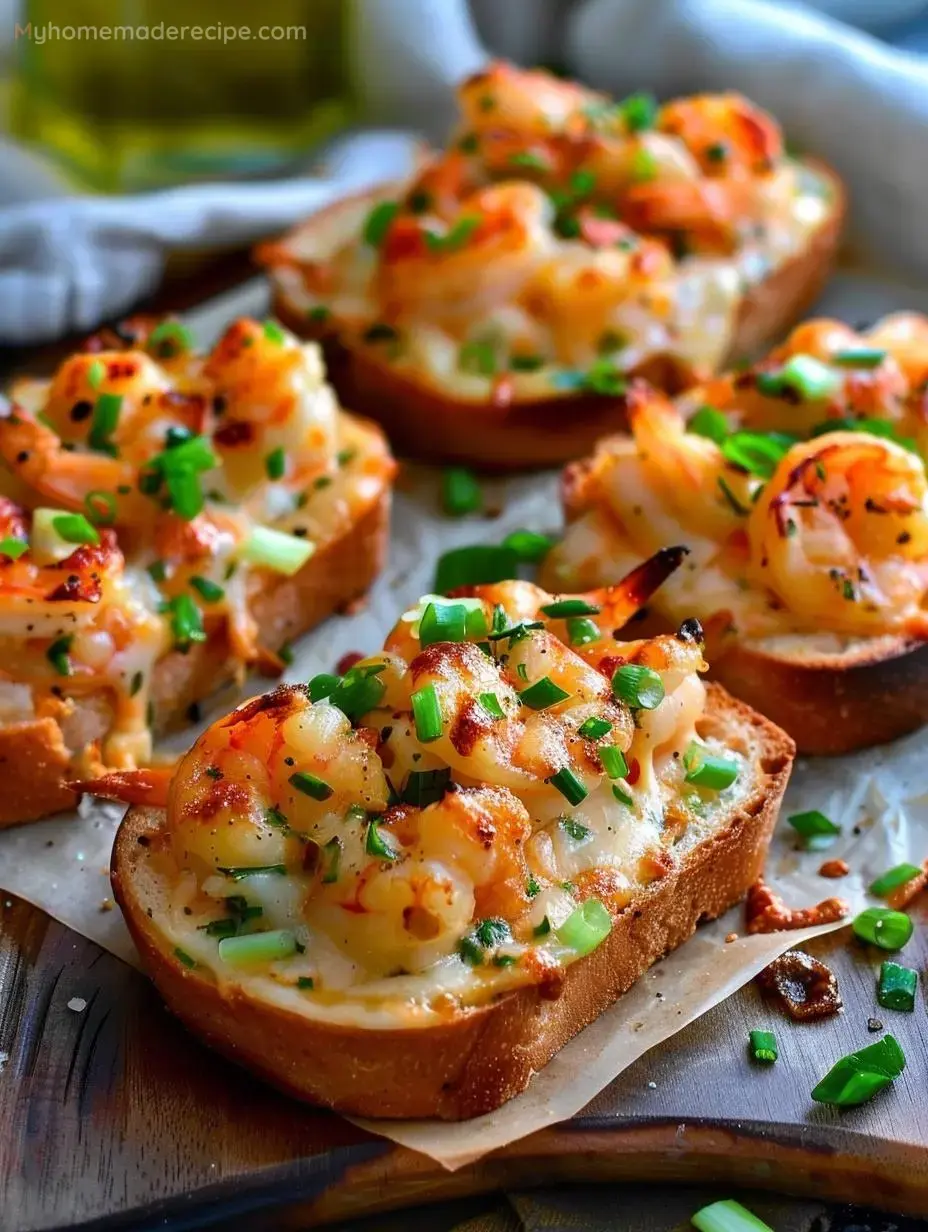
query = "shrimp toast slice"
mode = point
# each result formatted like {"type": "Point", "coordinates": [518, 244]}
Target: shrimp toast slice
{"type": "Point", "coordinates": [399, 892]}
{"type": "Point", "coordinates": [231, 507]}
{"type": "Point", "coordinates": [490, 311]}
{"type": "Point", "coordinates": [800, 488]}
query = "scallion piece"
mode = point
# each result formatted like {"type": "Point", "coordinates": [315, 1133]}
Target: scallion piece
{"type": "Point", "coordinates": [209, 591]}
{"type": "Point", "coordinates": [764, 1046]}
{"type": "Point", "coordinates": [622, 796]}
{"type": "Point", "coordinates": [490, 703]}
{"type": "Point", "coordinates": [473, 566]}
{"type": "Point", "coordinates": [613, 761]}
{"type": "Point", "coordinates": [355, 693]}
{"type": "Point", "coordinates": [443, 622]}
{"type": "Point", "coordinates": [894, 878]}
{"type": "Point", "coordinates": [58, 654]}
{"type": "Point", "coordinates": [74, 528]}
{"type": "Point", "coordinates": [101, 507]}
{"type": "Point", "coordinates": [305, 983]}
{"type": "Point", "coordinates": [276, 550]}
{"type": "Point", "coordinates": [859, 357]}
{"type": "Point", "coordinates": [710, 423]}
{"type": "Point", "coordinates": [563, 608]}
{"type": "Point", "coordinates": [594, 729]}
{"type": "Point", "coordinates": [183, 957]}
{"type": "Point", "coordinates": [638, 687]}
{"type": "Point", "coordinates": [427, 714]}
{"type": "Point", "coordinates": [639, 112]}
{"type": "Point", "coordinates": [331, 859]}
{"type": "Point", "coordinates": [379, 844]}
{"type": "Point", "coordinates": [252, 870]}
{"type": "Point", "coordinates": [728, 1216]}
{"type": "Point", "coordinates": [890, 930]}
{"type": "Point", "coordinates": [478, 357]}
{"type": "Point", "coordinates": [424, 787]}
{"type": "Point", "coordinates": [803, 375]}
{"type": "Point", "coordinates": [528, 545]}
{"type": "Point", "coordinates": [95, 373]}
{"type": "Point", "coordinates": [758, 453]}
{"type": "Point", "coordinates": [186, 622]}
{"type": "Point", "coordinates": [276, 463]}
{"type": "Point", "coordinates": [258, 947]}
{"type": "Point", "coordinates": [13, 548]}
{"type": "Point", "coordinates": [857, 1077]}
{"type": "Point", "coordinates": [378, 221]}
{"type": "Point", "coordinates": [582, 631]}
{"type": "Point", "coordinates": [460, 491]}
{"type": "Point", "coordinates": [323, 685]}
{"type": "Point", "coordinates": [543, 694]}
{"type": "Point", "coordinates": [169, 338]}
{"type": "Point", "coordinates": [896, 988]}
{"type": "Point", "coordinates": [706, 770]}
{"type": "Point", "coordinates": [586, 928]}
{"type": "Point", "coordinates": [644, 166]}
{"type": "Point", "coordinates": [817, 830]}
{"type": "Point", "coordinates": [105, 420]}
{"type": "Point", "coordinates": [310, 785]}
{"type": "Point", "coordinates": [570, 787]}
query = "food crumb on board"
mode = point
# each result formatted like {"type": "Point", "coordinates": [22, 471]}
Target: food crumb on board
{"type": "Point", "coordinates": [77, 1004]}
{"type": "Point", "coordinates": [874, 1024]}
{"type": "Point", "coordinates": [652, 1086]}
{"type": "Point", "coordinates": [106, 904]}
{"type": "Point", "coordinates": [730, 938]}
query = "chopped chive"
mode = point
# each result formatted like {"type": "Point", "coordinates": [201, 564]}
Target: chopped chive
{"type": "Point", "coordinates": [227, 927]}
{"type": "Point", "coordinates": [239, 873]}
{"type": "Point", "coordinates": [622, 796]}
{"type": "Point", "coordinates": [74, 528]}
{"type": "Point", "coordinates": [138, 680]}
{"type": "Point", "coordinates": [896, 988]}
{"type": "Point", "coordinates": [379, 844]}
{"type": "Point", "coordinates": [105, 420]}
{"type": "Point", "coordinates": [801, 374]}
{"type": "Point", "coordinates": [639, 112]}
{"type": "Point", "coordinates": [323, 685]}
{"type": "Point", "coordinates": [710, 423]}
{"type": "Point", "coordinates": [96, 371]}
{"type": "Point", "coordinates": [594, 729]}
{"type": "Point", "coordinates": [378, 221]}
{"type": "Point", "coordinates": [472, 566]}
{"type": "Point", "coordinates": [859, 357]}
{"type": "Point", "coordinates": [58, 654]}
{"type": "Point", "coordinates": [305, 983]}
{"type": "Point", "coordinates": [526, 363]}
{"type": "Point", "coordinates": [542, 694]}
{"type": "Point", "coordinates": [455, 237]}
{"type": "Point", "coordinates": [443, 622]}
{"type": "Point", "coordinates": [274, 332]}
{"type": "Point", "coordinates": [169, 338]}
{"type": "Point", "coordinates": [575, 830]}
{"type": "Point", "coordinates": [427, 714]}
{"type": "Point", "coordinates": [542, 929]}
{"type": "Point", "coordinates": [310, 785]}
{"type": "Point", "coordinates": [355, 693]}
{"type": "Point", "coordinates": [276, 463]}
{"type": "Point", "coordinates": [644, 167]}
{"type": "Point", "coordinates": [581, 631]}
{"type": "Point", "coordinates": [186, 622]}
{"type": "Point", "coordinates": [638, 687]}
{"type": "Point", "coordinates": [276, 550]}
{"type": "Point", "coordinates": [331, 858]}
{"type": "Point", "coordinates": [319, 313]}
{"type": "Point", "coordinates": [890, 930]}
{"type": "Point", "coordinates": [586, 928]}
{"type": "Point", "coordinates": [209, 591]}
{"type": "Point", "coordinates": [717, 152]}
{"type": "Point", "coordinates": [758, 453]}
{"type": "Point", "coordinates": [731, 500]}
{"type": "Point", "coordinates": [613, 761]}
{"type": "Point", "coordinates": [817, 830]}
{"type": "Point", "coordinates": [763, 1046]}
{"type": "Point", "coordinates": [12, 547]}
{"type": "Point", "coordinates": [157, 570]}
{"type": "Point", "coordinates": [526, 158]}
{"type": "Point", "coordinates": [857, 1077]}
{"type": "Point", "coordinates": [490, 703]}
{"type": "Point", "coordinates": [728, 1216]}
{"type": "Point", "coordinates": [706, 770]}
{"type": "Point", "coordinates": [184, 957]}
{"type": "Point", "coordinates": [425, 787]}
{"type": "Point", "coordinates": [101, 507]}
{"type": "Point", "coordinates": [460, 491]}
{"type": "Point", "coordinates": [478, 357]}
{"type": "Point", "coordinates": [570, 607]}
{"type": "Point", "coordinates": [258, 947]}
{"type": "Point", "coordinates": [570, 787]}
{"type": "Point", "coordinates": [894, 878]}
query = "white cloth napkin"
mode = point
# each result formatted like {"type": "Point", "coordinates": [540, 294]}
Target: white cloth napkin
{"type": "Point", "coordinates": [67, 263]}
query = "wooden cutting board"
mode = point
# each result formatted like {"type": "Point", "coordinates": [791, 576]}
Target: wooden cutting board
{"type": "Point", "coordinates": [112, 1113]}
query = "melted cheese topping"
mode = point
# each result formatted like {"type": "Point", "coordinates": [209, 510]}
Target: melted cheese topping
{"type": "Point", "coordinates": [268, 449]}
{"type": "Point", "coordinates": [411, 873]}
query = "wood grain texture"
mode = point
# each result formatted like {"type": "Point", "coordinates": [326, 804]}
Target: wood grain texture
{"type": "Point", "coordinates": [115, 1117]}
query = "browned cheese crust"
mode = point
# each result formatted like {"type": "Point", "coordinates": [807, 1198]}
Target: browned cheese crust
{"type": "Point", "coordinates": [521, 435]}
{"type": "Point", "coordinates": [486, 1055]}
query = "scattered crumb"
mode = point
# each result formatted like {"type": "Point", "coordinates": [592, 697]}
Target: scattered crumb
{"type": "Point", "coordinates": [106, 904]}
{"type": "Point", "coordinates": [50, 843]}
{"type": "Point", "coordinates": [834, 868]}
{"type": "Point", "coordinates": [652, 1086]}
{"type": "Point", "coordinates": [659, 995]}
{"type": "Point", "coordinates": [874, 1024]}
{"type": "Point", "coordinates": [77, 1004]}
{"type": "Point", "coordinates": [493, 511]}
{"type": "Point", "coordinates": [730, 938]}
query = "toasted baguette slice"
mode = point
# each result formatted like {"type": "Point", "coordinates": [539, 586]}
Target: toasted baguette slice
{"type": "Point", "coordinates": [37, 755]}
{"type": "Point", "coordinates": [509, 433]}
{"type": "Point", "coordinates": [481, 1056]}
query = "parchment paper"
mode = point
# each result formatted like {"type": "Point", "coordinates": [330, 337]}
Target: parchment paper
{"type": "Point", "coordinates": [880, 798]}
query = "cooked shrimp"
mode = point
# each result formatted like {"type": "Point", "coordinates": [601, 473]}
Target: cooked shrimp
{"type": "Point", "coordinates": [504, 96]}
{"type": "Point", "coordinates": [712, 213]}
{"type": "Point", "coordinates": [840, 534]}
{"type": "Point", "coordinates": [725, 132]}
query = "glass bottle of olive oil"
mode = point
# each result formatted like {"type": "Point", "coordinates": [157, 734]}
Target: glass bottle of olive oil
{"type": "Point", "coordinates": [135, 94]}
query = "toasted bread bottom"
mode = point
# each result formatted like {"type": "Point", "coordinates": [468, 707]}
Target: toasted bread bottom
{"type": "Point", "coordinates": [485, 1055]}
{"type": "Point", "coordinates": [35, 759]}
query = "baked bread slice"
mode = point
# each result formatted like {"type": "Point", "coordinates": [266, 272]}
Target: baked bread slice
{"type": "Point", "coordinates": [430, 962]}
{"type": "Point", "coordinates": [506, 345]}
{"type": "Point", "coordinates": [121, 629]}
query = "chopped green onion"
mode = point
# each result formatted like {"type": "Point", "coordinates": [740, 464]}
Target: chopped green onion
{"type": "Point", "coordinates": [710, 423]}
{"type": "Point", "coordinates": [101, 507]}
{"type": "Point", "coordinates": [185, 492]}
{"type": "Point", "coordinates": [859, 357]}
{"type": "Point", "coordinates": [490, 703]}
{"type": "Point", "coordinates": [378, 844]}
{"type": "Point", "coordinates": [890, 930]}
{"type": "Point", "coordinates": [258, 947]}
{"type": "Point", "coordinates": [460, 491]}
{"type": "Point", "coordinates": [815, 828]}
{"type": "Point", "coordinates": [475, 622]}
{"type": "Point", "coordinates": [581, 631]}
{"type": "Point", "coordinates": [730, 499]}
{"type": "Point", "coordinates": [717, 152]}
{"type": "Point", "coordinates": [378, 221]}
{"type": "Point", "coordinates": [639, 112]}
{"type": "Point", "coordinates": [570, 607]}
{"type": "Point", "coordinates": [758, 453]}
{"type": "Point", "coordinates": [894, 878]}
{"type": "Point", "coordinates": [487, 935]}
{"type": "Point", "coordinates": [157, 570]}
{"type": "Point", "coordinates": [184, 957]}
{"type": "Point", "coordinates": [331, 858]}
{"type": "Point", "coordinates": [305, 983]}
{"type": "Point", "coordinates": [472, 566]}
{"type": "Point", "coordinates": [622, 796]}
{"type": "Point", "coordinates": [644, 167]}
{"type": "Point", "coordinates": [896, 989]}
{"type": "Point", "coordinates": [95, 373]}
{"type": "Point", "coordinates": [857, 1077]}
{"type": "Point", "coordinates": [594, 729]}
{"type": "Point", "coordinates": [526, 158]}
{"type": "Point", "coordinates": [542, 694]}
{"type": "Point", "coordinates": [355, 693]}
{"type": "Point", "coordinates": [274, 332]}
{"type": "Point", "coordinates": [613, 761]}
{"type": "Point", "coordinates": [575, 830]}
{"type": "Point", "coordinates": [526, 363]}
{"type": "Point", "coordinates": [186, 622]}
{"type": "Point", "coordinates": [227, 927]}
{"type": "Point", "coordinates": [478, 357]}
{"type": "Point", "coordinates": [424, 787]}
{"type": "Point", "coordinates": [310, 785]}
{"type": "Point", "coordinates": [74, 528]}
{"type": "Point", "coordinates": [455, 237]}
{"type": "Point", "coordinates": [443, 622]}
{"type": "Point", "coordinates": [638, 687]}
{"type": "Point", "coordinates": [286, 554]}
{"type": "Point", "coordinates": [169, 338]}
{"type": "Point", "coordinates": [57, 654]}
{"type": "Point", "coordinates": [570, 787]}
{"type": "Point", "coordinates": [803, 375]}
{"type": "Point", "coordinates": [728, 1216]}
{"type": "Point", "coordinates": [602, 377]}
{"type": "Point", "coordinates": [764, 1046]}
{"type": "Point", "coordinates": [323, 685]}
{"type": "Point", "coordinates": [427, 714]}
{"type": "Point", "coordinates": [319, 313]}
{"type": "Point", "coordinates": [253, 870]}
{"type": "Point", "coordinates": [586, 928]}
{"type": "Point", "coordinates": [529, 546]}
{"type": "Point", "coordinates": [542, 929]}
{"type": "Point", "coordinates": [706, 770]}
{"type": "Point", "coordinates": [209, 591]}
{"type": "Point", "coordinates": [105, 420]}
{"type": "Point", "coordinates": [13, 547]}
{"type": "Point", "coordinates": [276, 463]}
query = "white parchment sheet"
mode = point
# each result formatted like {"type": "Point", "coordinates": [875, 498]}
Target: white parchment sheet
{"type": "Point", "coordinates": [879, 798]}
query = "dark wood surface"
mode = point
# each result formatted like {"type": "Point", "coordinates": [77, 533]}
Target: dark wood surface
{"type": "Point", "coordinates": [113, 1116]}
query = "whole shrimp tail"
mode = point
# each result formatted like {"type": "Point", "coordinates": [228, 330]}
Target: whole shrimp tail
{"type": "Point", "coordinates": [620, 602]}
{"type": "Point", "coordinates": [148, 786]}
